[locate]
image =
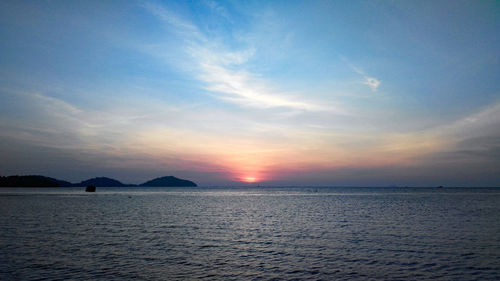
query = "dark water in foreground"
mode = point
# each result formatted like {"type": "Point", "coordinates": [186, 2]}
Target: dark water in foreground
{"type": "Point", "coordinates": [261, 234]}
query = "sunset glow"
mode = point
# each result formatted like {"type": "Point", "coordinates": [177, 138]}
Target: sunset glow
{"type": "Point", "coordinates": [280, 93]}
{"type": "Point", "coordinates": [250, 139]}
{"type": "Point", "coordinates": [249, 179]}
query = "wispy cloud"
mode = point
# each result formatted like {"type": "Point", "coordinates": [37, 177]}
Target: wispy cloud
{"type": "Point", "coordinates": [240, 86]}
{"type": "Point", "coordinates": [224, 73]}
{"type": "Point", "coordinates": [220, 10]}
{"type": "Point", "coordinates": [481, 123]}
{"type": "Point", "coordinates": [372, 82]}
{"type": "Point", "coordinates": [182, 27]}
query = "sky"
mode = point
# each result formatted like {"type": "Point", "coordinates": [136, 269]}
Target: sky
{"type": "Point", "coordinates": [301, 93]}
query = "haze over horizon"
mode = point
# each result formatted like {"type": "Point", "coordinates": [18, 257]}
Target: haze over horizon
{"type": "Point", "coordinates": [343, 93]}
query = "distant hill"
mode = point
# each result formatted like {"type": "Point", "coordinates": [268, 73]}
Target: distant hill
{"type": "Point", "coordinates": [168, 181]}
{"type": "Point", "coordinates": [41, 181]}
{"type": "Point", "coordinates": [32, 181]}
{"type": "Point", "coordinates": [101, 182]}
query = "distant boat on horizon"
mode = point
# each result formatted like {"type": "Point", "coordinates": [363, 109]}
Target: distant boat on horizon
{"type": "Point", "coordinates": [90, 188]}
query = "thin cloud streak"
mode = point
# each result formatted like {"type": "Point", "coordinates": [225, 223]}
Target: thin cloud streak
{"type": "Point", "coordinates": [224, 73]}
{"type": "Point", "coordinates": [182, 27]}
{"type": "Point", "coordinates": [242, 88]}
{"type": "Point", "coordinates": [372, 82]}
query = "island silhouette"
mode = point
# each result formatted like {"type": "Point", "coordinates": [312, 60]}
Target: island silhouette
{"type": "Point", "coordinates": [42, 181]}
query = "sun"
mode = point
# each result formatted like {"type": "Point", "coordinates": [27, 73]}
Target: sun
{"type": "Point", "coordinates": [249, 179]}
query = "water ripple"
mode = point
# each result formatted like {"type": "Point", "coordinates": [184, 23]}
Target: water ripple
{"type": "Point", "coordinates": [276, 234]}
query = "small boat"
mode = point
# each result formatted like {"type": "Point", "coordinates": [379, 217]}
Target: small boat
{"type": "Point", "coordinates": [90, 188]}
{"type": "Point", "coordinates": [440, 186]}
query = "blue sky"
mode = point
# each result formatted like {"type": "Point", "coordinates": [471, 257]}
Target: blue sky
{"type": "Point", "coordinates": [276, 92]}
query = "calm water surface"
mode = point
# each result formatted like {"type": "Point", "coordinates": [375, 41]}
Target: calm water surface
{"type": "Point", "coordinates": [250, 234]}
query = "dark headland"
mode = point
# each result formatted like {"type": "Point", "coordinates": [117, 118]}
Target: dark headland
{"type": "Point", "coordinates": [42, 181]}
{"type": "Point", "coordinates": [32, 181]}
{"type": "Point", "coordinates": [100, 182]}
{"type": "Point", "coordinates": [168, 181]}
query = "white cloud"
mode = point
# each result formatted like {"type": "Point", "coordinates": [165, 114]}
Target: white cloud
{"type": "Point", "coordinates": [182, 27]}
{"type": "Point", "coordinates": [223, 71]}
{"type": "Point", "coordinates": [241, 87]}
{"type": "Point", "coordinates": [372, 82]}
{"type": "Point", "coordinates": [481, 123]}
{"type": "Point", "coordinates": [218, 9]}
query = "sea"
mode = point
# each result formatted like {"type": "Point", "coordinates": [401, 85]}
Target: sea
{"type": "Point", "coordinates": [286, 233]}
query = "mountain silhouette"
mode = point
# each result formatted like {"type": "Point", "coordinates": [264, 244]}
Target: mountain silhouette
{"type": "Point", "coordinates": [42, 181]}
{"type": "Point", "coordinates": [168, 181]}
{"type": "Point", "coordinates": [32, 181]}
{"type": "Point", "coordinates": [101, 182]}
